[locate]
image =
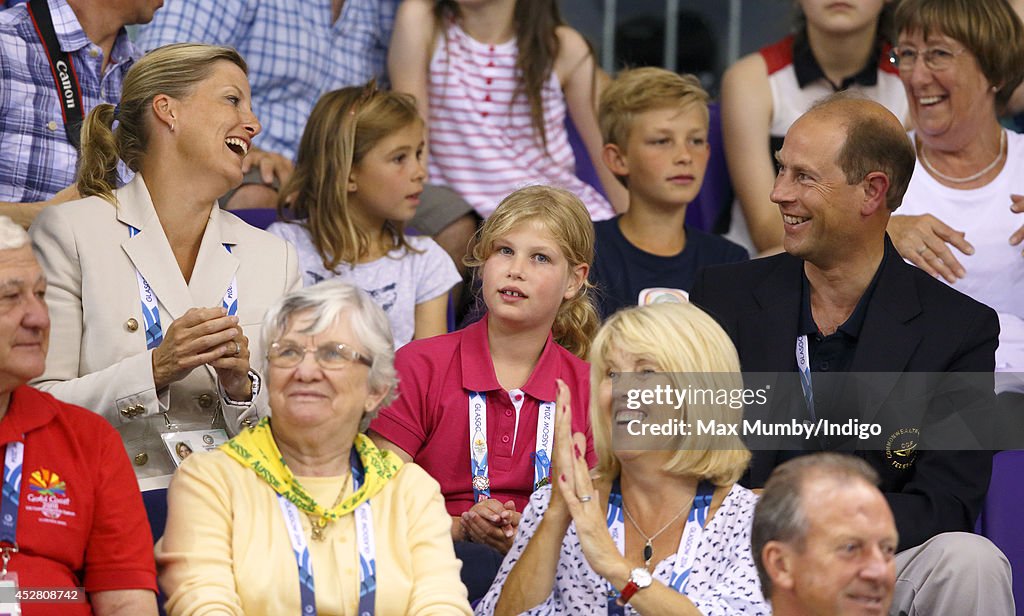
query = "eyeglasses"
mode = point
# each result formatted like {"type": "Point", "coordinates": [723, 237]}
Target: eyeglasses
{"type": "Point", "coordinates": [935, 58]}
{"type": "Point", "coordinates": [329, 355]}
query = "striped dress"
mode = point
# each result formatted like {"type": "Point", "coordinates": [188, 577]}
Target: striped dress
{"type": "Point", "coordinates": [482, 140]}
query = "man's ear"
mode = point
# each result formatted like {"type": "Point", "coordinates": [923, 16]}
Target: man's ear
{"type": "Point", "coordinates": [876, 185]}
{"type": "Point", "coordinates": [778, 560]}
{"type": "Point", "coordinates": [615, 159]}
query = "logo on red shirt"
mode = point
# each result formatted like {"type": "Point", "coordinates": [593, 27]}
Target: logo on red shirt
{"type": "Point", "coordinates": [48, 495]}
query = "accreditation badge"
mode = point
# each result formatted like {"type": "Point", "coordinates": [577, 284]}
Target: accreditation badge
{"type": "Point", "coordinates": [181, 445]}
{"type": "Point", "coordinates": [9, 604]}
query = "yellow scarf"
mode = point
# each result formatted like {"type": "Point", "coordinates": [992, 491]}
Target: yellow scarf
{"type": "Point", "coordinates": [255, 448]}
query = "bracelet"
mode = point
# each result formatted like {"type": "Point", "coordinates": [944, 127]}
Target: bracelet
{"type": "Point", "coordinates": [254, 379]}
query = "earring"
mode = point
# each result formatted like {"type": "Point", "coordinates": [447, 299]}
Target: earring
{"type": "Point", "coordinates": [172, 127]}
{"type": "Point", "coordinates": [352, 187]}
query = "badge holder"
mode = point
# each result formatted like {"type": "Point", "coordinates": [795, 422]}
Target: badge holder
{"type": "Point", "coordinates": [181, 445]}
{"type": "Point", "coordinates": [9, 604]}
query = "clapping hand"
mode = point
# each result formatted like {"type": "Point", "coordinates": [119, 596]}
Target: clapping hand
{"type": "Point", "coordinates": [575, 488]}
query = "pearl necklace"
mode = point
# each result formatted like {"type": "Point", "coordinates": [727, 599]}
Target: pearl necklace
{"type": "Point", "coordinates": [942, 176]}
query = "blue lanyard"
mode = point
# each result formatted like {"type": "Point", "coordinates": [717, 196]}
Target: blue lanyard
{"type": "Point", "coordinates": [13, 459]}
{"type": "Point", "coordinates": [364, 540]}
{"type": "Point", "coordinates": [803, 364]}
{"type": "Point", "coordinates": [689, 541]}
{"type": "Point", "coordinates": [151, 312]}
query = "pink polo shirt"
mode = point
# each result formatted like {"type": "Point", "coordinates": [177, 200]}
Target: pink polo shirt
{"type": "Point", "coordinates": [430, 418]}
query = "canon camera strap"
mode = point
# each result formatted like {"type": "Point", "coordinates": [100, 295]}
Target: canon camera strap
{"type": "Point", "coordinates": [63, 69]}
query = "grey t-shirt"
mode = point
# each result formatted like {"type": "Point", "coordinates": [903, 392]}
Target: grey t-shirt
{"type": "Point", "coordinates": [397, 282]}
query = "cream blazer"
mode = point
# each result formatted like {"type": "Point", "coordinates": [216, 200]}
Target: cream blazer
{"type": "Point", "coordinates": [98, 357]}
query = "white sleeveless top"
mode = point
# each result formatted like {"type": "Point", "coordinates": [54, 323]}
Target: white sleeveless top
{"type": "Point", "coordinates": [482, 140]}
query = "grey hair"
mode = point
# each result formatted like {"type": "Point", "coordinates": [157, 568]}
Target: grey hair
{"type": "Point", "coordinates": [329, 301]}
{"type": "Point", "coordinates": [780, 514]}
{"type": "Point", "coordinates": [11, 234]}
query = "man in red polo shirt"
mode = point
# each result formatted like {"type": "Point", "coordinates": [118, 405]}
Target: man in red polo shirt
{"type": "Point", "coordinates": [71, 515]}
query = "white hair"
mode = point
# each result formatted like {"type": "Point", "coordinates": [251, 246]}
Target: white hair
{"type": "Point", "coordinates": [12, 236]}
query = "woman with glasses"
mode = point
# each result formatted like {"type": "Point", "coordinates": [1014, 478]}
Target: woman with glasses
{"type": "Point", "coordinates": [960, 62]}
{"type": "Point", "coordinates": [835, 46]}
{"type": "Point", "coordinates": [302, 514]}
{"type": "Point", "coordinates": [154, 292]}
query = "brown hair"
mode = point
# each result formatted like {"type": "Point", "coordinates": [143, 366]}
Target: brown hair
{"type": "Point", "coordinates": [875, 141]}
{"type": "Point", "coordinates": [174, 70]}
{"type": "Point", "coordinates": [345, 124]}
{"type": "Point", "coordinates": [989, 29]}
{"type": "Point", "coordinates": [637, 90]}
{"type": "Point", "coordinates": [536, 24]}
{"type": "Point", "coordinates": [567, 220]}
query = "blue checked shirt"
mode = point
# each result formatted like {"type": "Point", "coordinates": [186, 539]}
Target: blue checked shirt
{"type": "Point", "coordinates": [295, 54]}
{"type": "Point", "coordinates": [36, 159]}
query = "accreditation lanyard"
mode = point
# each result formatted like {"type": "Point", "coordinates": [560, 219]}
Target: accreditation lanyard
{"type": "Point", "coordinates": [364, 540]}
{"type": "Point", "coordinates": [803, 363]}
{"type": "Point", "coordinates": [478, 445]}
{"type": "Point", "coordinates": [9, 502]}
{"type": "Point", "coordinates": [151, 313]}
{"type": "Point", "coordinates": [686, 554]}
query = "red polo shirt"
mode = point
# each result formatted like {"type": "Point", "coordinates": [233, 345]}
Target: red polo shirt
{"type": "Point", "coordinates": [81, 521]}
{"type": "Point", "coordinates": [430, 418]}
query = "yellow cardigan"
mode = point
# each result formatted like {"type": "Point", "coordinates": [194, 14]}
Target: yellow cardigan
{"type": "Point", "coordinates": [226, 548]}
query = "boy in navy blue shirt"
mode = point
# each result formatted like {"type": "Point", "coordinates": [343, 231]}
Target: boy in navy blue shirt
{"type": "Point", "coordinates": [655, 128]}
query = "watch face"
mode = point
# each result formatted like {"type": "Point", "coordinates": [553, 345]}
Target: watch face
{"type": "Point", "coordinates": [641, 577]}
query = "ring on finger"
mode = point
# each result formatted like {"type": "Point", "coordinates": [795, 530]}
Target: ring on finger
{"type": "Point", "coordinates": [922, 250]}
{"type": "Point", "coordinates": [238, 348]}
{"type": "Point", "coordinates": [586, 498]}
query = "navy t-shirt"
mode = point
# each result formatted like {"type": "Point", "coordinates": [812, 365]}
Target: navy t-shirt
{"type": "Point", "coordinates": [621, 270]}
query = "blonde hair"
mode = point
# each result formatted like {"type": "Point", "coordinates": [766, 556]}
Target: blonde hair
{"type": "Point", "coordinates": [174, 70]}
{"type": "Point", "coordinates": [638, 90]}
{"type": "Point", "coordinates": [567, 220]}
{"type": "Point", "coordinates": [677, 338]}
{"type": "Point", "coordinates": [345, 124]}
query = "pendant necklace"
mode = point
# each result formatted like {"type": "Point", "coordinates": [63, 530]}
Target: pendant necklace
{"type": "Point", "coordinates": [319, 526]}
{"type": "Point", "coordinates": [648, 541]}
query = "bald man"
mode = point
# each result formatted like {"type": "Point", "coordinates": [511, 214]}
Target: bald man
{"type": "Point", "coordinates": [840, 299]}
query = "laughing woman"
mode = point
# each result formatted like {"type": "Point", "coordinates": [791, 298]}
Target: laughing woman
{"type": "Point", "coordinates": [154, 292]}
{"type": "Point", "coordinates": [302, 514]}
{"type": "Point", "coordinates": [656, 531]}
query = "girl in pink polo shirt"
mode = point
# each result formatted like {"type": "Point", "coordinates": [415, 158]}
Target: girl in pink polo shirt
{"type": "Point", "coordinates": [476, 407]}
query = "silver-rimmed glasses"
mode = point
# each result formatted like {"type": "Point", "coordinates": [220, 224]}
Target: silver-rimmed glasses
{"type": "Point", "coordinates": [329, 355]}
{"type": "Point", "coordinates": [904, 57]}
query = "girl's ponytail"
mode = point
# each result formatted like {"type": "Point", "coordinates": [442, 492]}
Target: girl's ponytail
{"type": "Point", "coordinates": [577, 322]}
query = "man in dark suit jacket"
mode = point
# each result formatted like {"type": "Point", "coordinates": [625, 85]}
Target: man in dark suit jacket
{"type": "Point", "coordinates": [843, 300]}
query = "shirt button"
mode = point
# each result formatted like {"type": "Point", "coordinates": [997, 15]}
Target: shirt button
{"type": "Point", "coordinates": [141, 459]}
{"type": "Point", "coordinates": [128, 411]}
{"type": "Point", "coordinates": [504, 439]}
{"type": "Point", "coordinates": [519, 397]}
{"type": "Point", "coordinates": [51, 125]}
{"type": "Point", "coordinates": [508, 413]}
{"type": "Point", "coordinates": [483, 113]}
{"type": "Point", "coordinates": [205, 401]}
{"type": "Point", "coordinates": [131, 325]}
{"type": "Point", "coordinates": [93, 53]}
{"type": "Point", "coordinates": [489, 80]}
{"type": "Point", "coordinates": [490, 64]}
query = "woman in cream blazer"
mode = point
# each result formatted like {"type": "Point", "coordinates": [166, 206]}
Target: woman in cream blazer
{"type": "Point", "coordinates": [160, 241]}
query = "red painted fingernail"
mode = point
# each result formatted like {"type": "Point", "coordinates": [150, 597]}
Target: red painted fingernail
{"type": "Point", "coordinates": [579, 454]}
{"type": "Point", "coordinates": [562, 477]}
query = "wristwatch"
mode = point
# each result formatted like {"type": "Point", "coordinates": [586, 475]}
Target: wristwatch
{"type": "Point", "coordinates": [639, 579]}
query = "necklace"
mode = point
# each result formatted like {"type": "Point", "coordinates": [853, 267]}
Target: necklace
{"type": "Point", "coordinates": [970, 178]}
{"type": "Point", "coordinates": [319, 526]}
{"type": "Point", "coordinates": [648, 547]}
